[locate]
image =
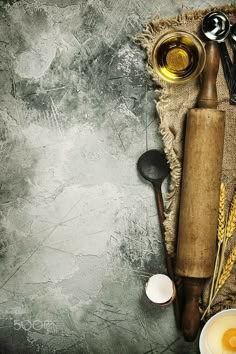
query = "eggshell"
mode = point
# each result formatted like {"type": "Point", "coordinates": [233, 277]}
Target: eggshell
{"type": "Point", "coordinates": [160, 289]}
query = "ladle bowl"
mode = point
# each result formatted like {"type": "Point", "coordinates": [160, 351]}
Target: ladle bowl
{"type": "Point", "coordinates": [152, 166]}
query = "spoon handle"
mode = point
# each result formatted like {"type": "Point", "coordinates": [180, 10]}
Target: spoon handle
{"type": "Point", "coordinates": [233, 45]}
{"type": "Point", "coordinates": [226, 63]}
{"type": "Point", "coordinates": [169, 261]}
{"type": "Point", "coordinates": [160, 205]}
{"type": "Point", "coordinates": [233, 85]}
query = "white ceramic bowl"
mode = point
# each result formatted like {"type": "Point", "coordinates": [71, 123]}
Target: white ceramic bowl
{"type": "Point", "coordinates": [210, 341]}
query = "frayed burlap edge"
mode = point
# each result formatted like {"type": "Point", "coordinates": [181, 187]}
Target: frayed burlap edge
{"type": "Point", "coordinates": [147, 40]}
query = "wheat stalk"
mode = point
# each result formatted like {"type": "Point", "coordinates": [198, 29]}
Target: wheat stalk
{"type": "Point", "coordinates": [230, 227]}
{"type": "Point", "coordinates": [220, 236]}
{"type": "Point", "coordinates": [227, 268]}
{"type": "Point", "coordinates": [231, 223]}
{"type": "Point", "coordinates": [221, 217]}
{"type": "Point", "coordinates": [225, 232]}
{"type": "Point", "coordinates": [224, 276]}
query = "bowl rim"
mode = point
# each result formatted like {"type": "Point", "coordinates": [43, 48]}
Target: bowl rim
{"type": "Point", "coordinates": [196, 40]}
{"type": "Point", "coordinates": [206, 326]}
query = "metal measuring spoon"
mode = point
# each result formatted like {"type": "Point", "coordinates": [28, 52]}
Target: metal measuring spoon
{"type": "Point", "coordinates": [216, 27]}
{"type": "Point", "coordinates": [232, 38]}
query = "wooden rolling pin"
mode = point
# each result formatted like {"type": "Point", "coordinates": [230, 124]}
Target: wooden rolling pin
{"type": "Point", "coordinates": [199, 201]}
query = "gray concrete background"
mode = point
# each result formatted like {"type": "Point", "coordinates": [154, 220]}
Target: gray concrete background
{"type": "Point", "coordinates": [79, 228]}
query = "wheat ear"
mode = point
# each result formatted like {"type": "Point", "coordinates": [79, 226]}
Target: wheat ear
{"type": "Point", "coordinates": [220, 236]}
{"type": "Point", "coordinates": [231, 223]}
{"type": "Point", "coordinates": [230, 227]}
{"type": "Point", "coordinates": [224, 276]}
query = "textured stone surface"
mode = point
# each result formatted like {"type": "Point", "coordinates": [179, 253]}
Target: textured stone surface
{"type": "Point", "coordinates": [79, 228]}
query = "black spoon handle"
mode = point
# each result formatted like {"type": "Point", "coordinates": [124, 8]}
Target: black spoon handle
{"type": "Point", "coordinates": [169, 261]}
{"type": "Point", "coordinates": [233, 45]}
{"type": "Point", "coordinates": [160, 205]}
{"type": "Point", "coordinates": [226, 63]}
{"type": "Point", "coordinates": [233, 68]}
{"type": "Point", "coordinates": [233, 85]}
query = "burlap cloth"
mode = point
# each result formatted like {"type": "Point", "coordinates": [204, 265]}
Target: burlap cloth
{"type": "Point", "coordinates": [172, 108]}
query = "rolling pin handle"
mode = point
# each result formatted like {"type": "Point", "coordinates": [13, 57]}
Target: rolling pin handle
{"type": "Point", "coordinates": [193, 288]}
{"type": "Point", "coordinates": [208, 93]}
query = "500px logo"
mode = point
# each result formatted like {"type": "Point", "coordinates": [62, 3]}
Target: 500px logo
{"type": "Point", "coordinates": [47, 326]}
